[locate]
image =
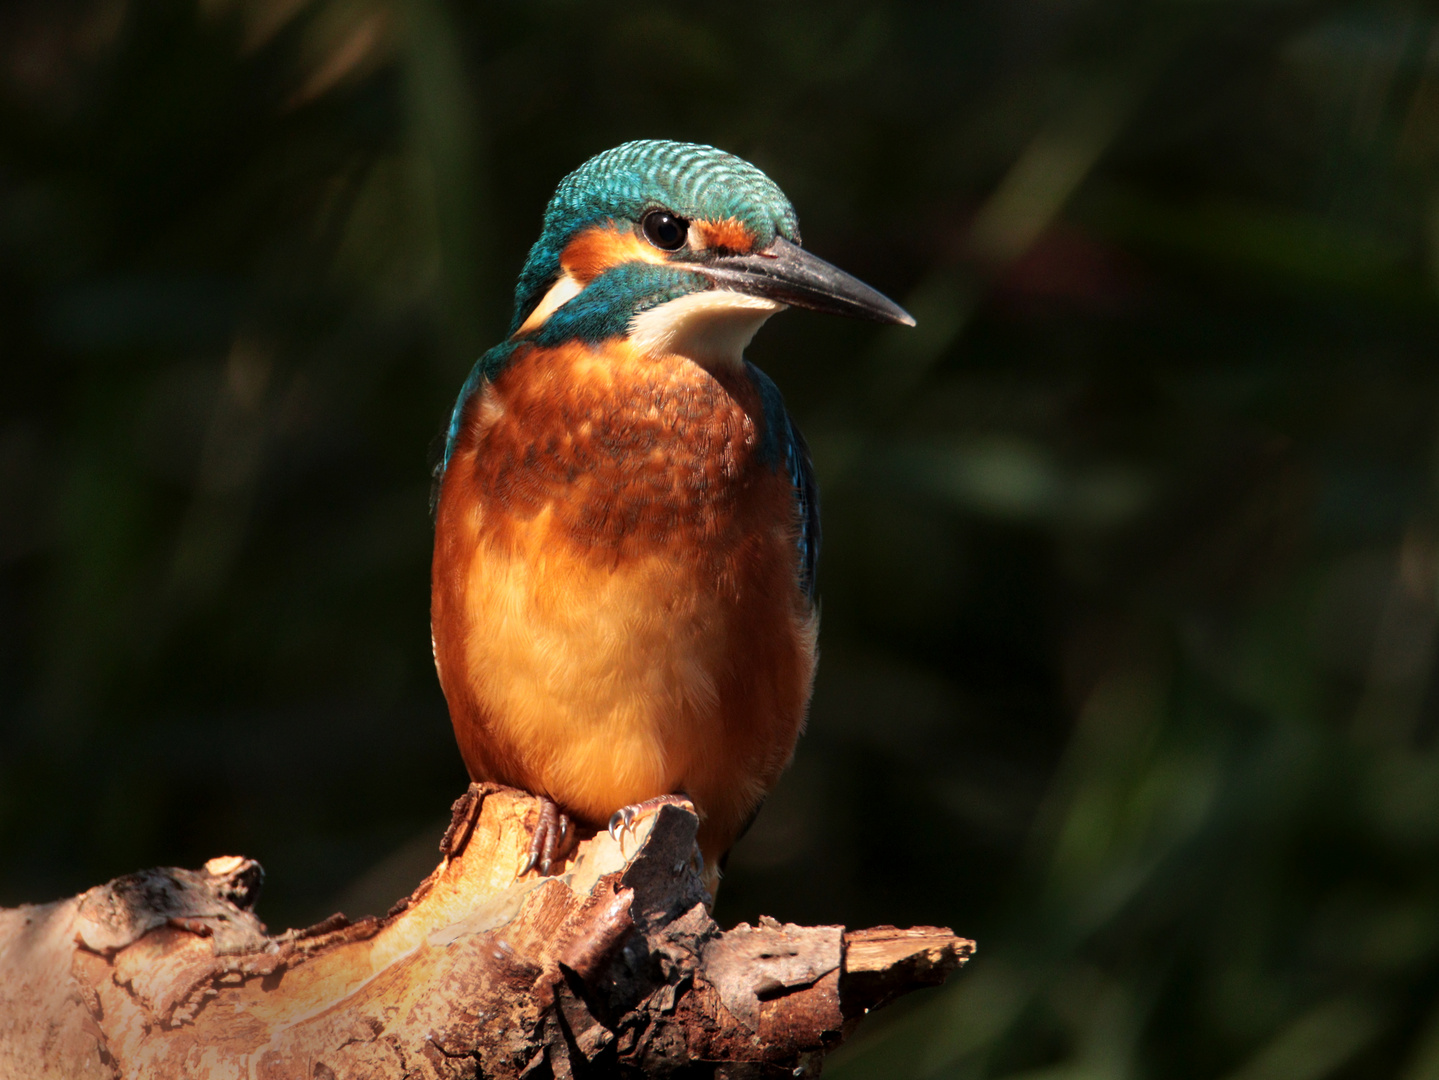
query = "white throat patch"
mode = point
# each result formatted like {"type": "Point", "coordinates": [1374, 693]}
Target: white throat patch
{"type": "Point", "coordinates": [711, 328]}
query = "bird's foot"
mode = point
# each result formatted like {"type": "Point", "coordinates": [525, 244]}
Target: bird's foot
{"type": "Point", "coordinates": [551, 840]}
{"type": "Point", "coordinates": [626, 819]}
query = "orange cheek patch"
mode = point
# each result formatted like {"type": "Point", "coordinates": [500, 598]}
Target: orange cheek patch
{"type": "Point", "coordinates": [596, 250]}
{"type": "Point", "coordinates": [728, 234]}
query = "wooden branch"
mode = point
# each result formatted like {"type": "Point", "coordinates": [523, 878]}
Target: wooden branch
{"type": "Point", "coordinates": [613, 967]}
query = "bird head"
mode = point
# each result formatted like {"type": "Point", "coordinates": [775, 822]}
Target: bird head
{"type": "Point", "coordinates": [679, 247]}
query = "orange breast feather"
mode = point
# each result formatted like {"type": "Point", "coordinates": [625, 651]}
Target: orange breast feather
{"type": "Point", "coordinates": [615, 602]}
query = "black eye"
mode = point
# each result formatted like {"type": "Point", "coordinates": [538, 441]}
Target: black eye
{"type": "Point", "coordinates": [664, 230]}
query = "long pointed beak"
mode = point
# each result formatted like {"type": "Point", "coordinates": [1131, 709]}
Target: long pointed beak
{"type": "Point", "coordinates": [787, 273]}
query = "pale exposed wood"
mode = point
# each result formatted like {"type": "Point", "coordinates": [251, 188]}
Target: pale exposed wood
{"type": "Point", "coordinates": [612, 967]}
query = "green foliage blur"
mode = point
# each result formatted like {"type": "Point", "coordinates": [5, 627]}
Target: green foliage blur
{"type": "Point", "coordinates": [1131, 578]}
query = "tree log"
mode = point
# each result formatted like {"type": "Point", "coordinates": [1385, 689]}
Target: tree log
{"type": "Point", "coordinates": [613, 967]}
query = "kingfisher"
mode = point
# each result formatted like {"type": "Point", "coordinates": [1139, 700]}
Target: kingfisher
{"type": "Point", "coordinates": [623, 604]}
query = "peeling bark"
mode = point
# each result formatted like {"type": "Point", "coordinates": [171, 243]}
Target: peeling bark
{"type": "Point", "coordinates": [612, 967]}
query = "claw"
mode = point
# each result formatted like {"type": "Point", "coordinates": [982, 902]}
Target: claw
{"type": "Point", "coordinates": [622, 821]}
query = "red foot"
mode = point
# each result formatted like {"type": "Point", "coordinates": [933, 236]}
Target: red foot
{"type": "Point", "coordinates": [626, 818]}
{"type": "Point", "coordinates": [551, 837]}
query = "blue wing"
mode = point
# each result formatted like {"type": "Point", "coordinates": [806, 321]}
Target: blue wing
{"type": "Point", "coordinates": [486, 368]}
{"type": "Point", "coordinates": [801, 474]}
{"type": "Point", "coordinates": [785, 447]}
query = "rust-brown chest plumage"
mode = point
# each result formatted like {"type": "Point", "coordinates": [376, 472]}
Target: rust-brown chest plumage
{"type": "Point", "coordinates": [628, 453]}
{"type": "Point", "coordinates": [616, 604]}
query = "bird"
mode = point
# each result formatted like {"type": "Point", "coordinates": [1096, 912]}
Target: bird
{"type": "Point", "coordinates": [623, 589]}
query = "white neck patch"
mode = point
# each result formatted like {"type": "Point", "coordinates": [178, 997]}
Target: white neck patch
{"type": "Point", "coordinates": [711, 328]}
{"type": "Point", "coordinates": [560, 293]}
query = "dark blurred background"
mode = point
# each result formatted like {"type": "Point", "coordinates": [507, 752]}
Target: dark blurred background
{"type": "Point", "coordinates": [1129, 588]}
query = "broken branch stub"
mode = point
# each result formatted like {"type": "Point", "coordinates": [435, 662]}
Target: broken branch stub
{"type": "Point", "coordinates": [612, 967]}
